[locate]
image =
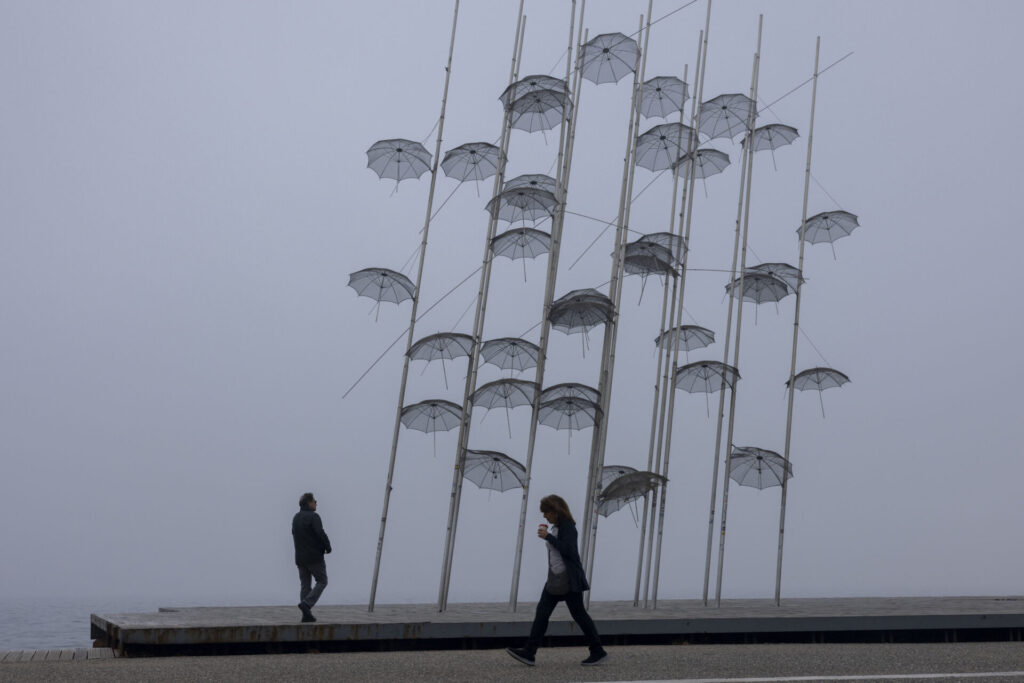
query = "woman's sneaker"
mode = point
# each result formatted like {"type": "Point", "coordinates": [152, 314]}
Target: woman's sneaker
{"type": "Point", "coordinates": [595, 658]}
{"type": "Point", "coordinates": [523, 655]}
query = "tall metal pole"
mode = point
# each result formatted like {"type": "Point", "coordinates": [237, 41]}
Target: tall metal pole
{"type": "Point", "coordinates": [749, 150]}
{"type": "Point", "coordinates": [659, 396]}
{"type": "Point", "coordinates": [412, 317]}
{"type": "Point", "coordinates": [561, 190]}
{"type": "Point", "coordinates": [615, 291]}
{"type": "Point", "coordinates": [667, 421]}
{"type": "Point", "coordinates": [796, 324]}
{"type": "Point", "coordinates": [474, 356]}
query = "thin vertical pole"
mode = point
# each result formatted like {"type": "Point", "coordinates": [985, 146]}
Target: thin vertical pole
{"type": "Point", "coordinates": [474, 356]}
{"type": "Point", "coordinates": [561, 189]}
{"type": "Point", "coordinates": [749, 151]}
{"type": "Point", "coordinates": [662, 354]}
{"type": "Point", "coordinates": [615, 290]}
{"type": "Point", "coordinates": [796, 325]}
{"type": "Point", "coordinates": [667, 421]}
{"type": "Point", "coordinates": [412, 317]}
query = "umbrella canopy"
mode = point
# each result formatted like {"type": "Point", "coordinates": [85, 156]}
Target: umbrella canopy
{"type": "Point", "coordinates": [432, 415]}
{"type": "Point", "coordinates": [668, 240]}
{"type": "Point", "coordinates": [759, 288]}
{"type": "Point", "coordinates": [504, 393]}
{"type": "Point", "coordinates": [829, 226]}
{"type": "Point", "coordinates": [570, 389]}
{"type": "Point", "coordinates": [706, 162]}
{"type": "Point", "coordinates": [705, 376]}
{"type": "Point", "coordinates": [521, 243]}
{"type": "Point", "coordinates": [661, 96]}
{"type": "Point", "coordinates": [608, 57]}
{"type": "Point", "coordinates": [471, 161]}
{"type": "Point", "coordinates": [382, 284]}
{"type": "Point", "coordinates": [627, 488]}
{"type": "Point", "coordinates": [686, 337]}
{"type": "Point", "coordinates": [535, 180]}
{"type": "Point", "coordinates": [522, 204]}
{"type": "Point", "coordinates": [510, 353]}
{"type": "Point", "coordinates": [644, 258]}
{"type": "Point", "coordinates": [818, 378]}
{"type": "Point", "coordinates": [772, 136]}
{"type": "Point", "coordinates": [441, 346]}
{"type": "Point", "coordinates": [494, 470]}
{"type": "Point", "coordinates": [725, 116]}
{"type": "Point", "coordinates": [398, 159]}
{"type": "Point", "coordinates": [782, 271]}
{"type": "Point", "coordinates": [610, 473]}
{"type": "Point", "coordinates": [580, 310]}
{"type": "Point", "coordinates": [759, 468]}
{"type": "Point", "coordinates": [662, 146]}
{"type": "Point", "coordinates": [529, 84]}
{"type": "Point", "coordinates": [569, 412]}
{"type": "Point", "coordinates": [540, 110]}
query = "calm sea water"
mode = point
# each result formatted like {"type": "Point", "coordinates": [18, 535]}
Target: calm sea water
{"type": "Point", "coordinates": [32, 624]}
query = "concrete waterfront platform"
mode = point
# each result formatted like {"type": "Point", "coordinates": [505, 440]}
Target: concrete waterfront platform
{"type": "Point", "coordinates": [223, 630]}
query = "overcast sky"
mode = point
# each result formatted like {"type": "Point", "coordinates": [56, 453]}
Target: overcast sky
{"type": "Point", "coordinates": [184, 191]}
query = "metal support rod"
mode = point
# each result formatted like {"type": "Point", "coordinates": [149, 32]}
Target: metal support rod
{"type": "Point", "coordinates": [474, 356]}
{"type": "Point", "coordinates": [561, 190]}
{"type": "Point", "coordinates": [615, 289]}
{"type": "Point", "coordinates": [749, 150]}
{"type": "Point", "coordinates": [412, 317]}
{"type": "Point", "coordinates": [796, 324]}
{"type": "Point", "coordinates": [667, 420]}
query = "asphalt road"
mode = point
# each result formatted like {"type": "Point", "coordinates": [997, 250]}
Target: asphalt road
{"type": "Point", "coordinates": [627, 663]}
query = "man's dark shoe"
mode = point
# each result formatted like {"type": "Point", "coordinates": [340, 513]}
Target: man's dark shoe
{"type": "Point", "coordinates": [521, 654]}
{"type": "Point", "coordinates": [307, 615]}
{"type": "Point", "coordinates": [595, 658]}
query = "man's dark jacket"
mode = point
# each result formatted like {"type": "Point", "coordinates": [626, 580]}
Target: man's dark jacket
{"type": "Point", "coordinates": [565, 543]}
{"type": "Point", "coordinates": [310, 540]}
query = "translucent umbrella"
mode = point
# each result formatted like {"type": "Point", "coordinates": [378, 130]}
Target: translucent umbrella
{"type": "Point", "coordinates": [820, 379]}
{"type": "Point", "coordinates": [442, 346]}
{"type": "Point", "coordinates": [571, 389]}
{"type": "Point", "coordinates": [647, 258]}
{"type": "Point", "coordinates": [471, 161]}
{"type": "Point", "coordinates": [521, 243]}
{"type": "Point", "coordinates": [757, 467]}
{"type": "Point", "coordinates": [522, 204]}
{"type": "Point", "coordinates": [535, 180]}
{"type": "Point", "coordinates": [506, 393]}
{"type": "Point", "coordinates": [706, 162]}
{"type": "Point", "coordinates": [771, 137]}
{"type": "Point", "coordinates": [782, 271]}
{"type": "Point", "coordinates": [707, 377]}
{"type": "Point", "coordinates": [432, 416]}
{"type": "Point", "coordinates": [725, 116]}
{"type": "Point", "coordinates": [529, 84]}
{"type": "Point", "coordinates": [610, 473]}
{"type": "Point", "coordinates": [759, 288]}
{"type": "Point", "coordinates": [662, 146]}
{"type": "Point", "coordinates": [570, 413]}
{"type": "Point", "coordinates": [510, 353]}
{"type": "Point", "coordinates": [540, 110]}
{"type": "Point", "coordinates": [829, 226]}
{"type": "Point", "coordinates": [382, 284]}
{"type": "Point", "coordinates": [494, 470]}
{"type": "Point", "coordinates": [686, 337]}
{"type": "Point", "coordinates": [661, 96]}
{"type": "Point", "coordinates": [398, 159]}
{"type": "Point", "coordinates": [670, 241]}
{"type": "Point", "coordinates": [579, 311]}
{"type": "Point", "coordinates": [608, 57]}
{"type": "Point", "coordinates": [625, 489]}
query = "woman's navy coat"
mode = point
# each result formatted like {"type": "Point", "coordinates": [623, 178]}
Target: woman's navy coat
{"type": "Point", "coordinates": [565, 543]}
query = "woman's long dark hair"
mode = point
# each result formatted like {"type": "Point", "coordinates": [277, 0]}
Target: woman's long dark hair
{"type": "Point", "coordinates": [557, 506]}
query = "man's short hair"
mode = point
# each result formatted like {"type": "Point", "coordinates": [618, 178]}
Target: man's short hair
{"type": "Point", "coordinates": [305, 500]}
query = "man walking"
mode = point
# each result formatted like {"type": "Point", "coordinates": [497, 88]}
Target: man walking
{"type": "Point", "coordinates": [310, 545]}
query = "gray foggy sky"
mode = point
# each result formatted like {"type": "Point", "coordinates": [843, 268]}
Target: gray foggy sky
{"type": "Point", "coordinates": [183, 194]}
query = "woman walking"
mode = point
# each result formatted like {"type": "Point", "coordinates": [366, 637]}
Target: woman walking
{"type": "Point", "coordinates": [566, 581]}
